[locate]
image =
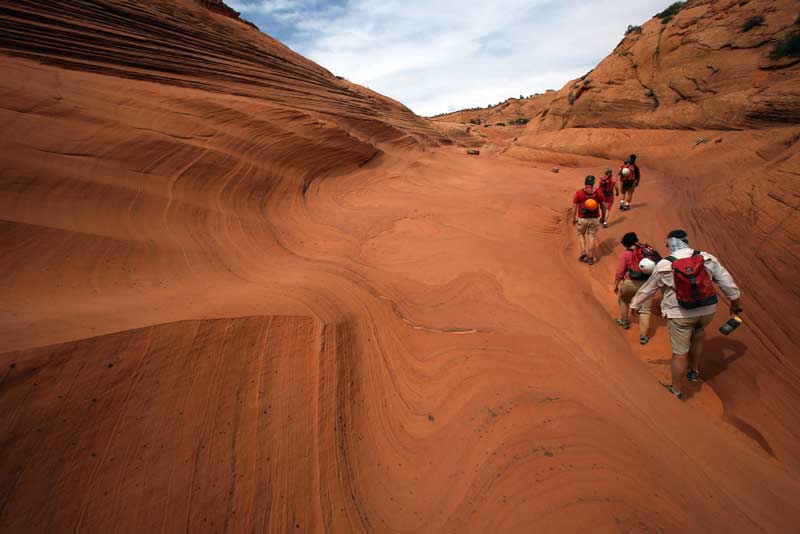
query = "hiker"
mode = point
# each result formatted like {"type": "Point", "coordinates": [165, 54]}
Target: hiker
{"type": "Point", "coordinates": [689, 302]}
{"type": "Point", "coordinates": [589, 203]}
{"type": "Point", "coordinates": [634, 267]}
{"type": "Point", "coordinates": [609, 187]}
{"type": "Point", "coordinates": [629, 176]}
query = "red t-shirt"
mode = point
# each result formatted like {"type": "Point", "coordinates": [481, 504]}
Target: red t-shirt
{"type": "Point", "coordinates": [624, 266]}
{"type": "Point", "coordinates": [584, 194]}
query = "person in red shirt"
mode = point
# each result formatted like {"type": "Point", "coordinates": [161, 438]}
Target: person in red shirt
{"type": "Point", "coordinates": [589, 204]}
{"type": "Point", "coordinates": [609, 187]}
{"type": "Point", "coordinates": [629, 175]}
{"type": "Point", "coordinates": [627, 281]}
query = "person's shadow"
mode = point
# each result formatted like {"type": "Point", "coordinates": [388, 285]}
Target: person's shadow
{"type": "Point", "coordinates": [605, 248]}
{"type": "Point", "coordinates": [718, 354]}
{"type": "Point", "coordinates": [617, 220]}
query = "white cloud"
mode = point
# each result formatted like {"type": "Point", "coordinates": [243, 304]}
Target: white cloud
{"type": "Point", "coordinates": [435, 55]}
{"type": "Point", "coordinates": [265, 8]}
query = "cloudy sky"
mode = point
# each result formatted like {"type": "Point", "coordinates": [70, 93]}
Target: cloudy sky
{"type": "Point", "coordinates": [442, 55]}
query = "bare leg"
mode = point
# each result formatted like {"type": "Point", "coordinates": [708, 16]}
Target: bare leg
{"type": "Point", "coordinates": [678, 367]}
{"type": "Point", "coordinates": [582, 241]}
{"type": "Point", "coordinates": [590, 241]}
{"type": "Point", "coordinates": [696, 351]}
{"type": "Point", "coordinates": [644, 324]}
{"type": "Point", "coordinates": [624, 310]}
{"type": "Point", "coordinates": [628, 197]}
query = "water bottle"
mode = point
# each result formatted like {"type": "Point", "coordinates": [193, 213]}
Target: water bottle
{"type": "Point", "coordinates": [732, 324]}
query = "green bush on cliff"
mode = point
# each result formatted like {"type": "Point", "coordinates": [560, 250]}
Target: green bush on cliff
{"type": "Point", "coordinates": [670, 12]}
{"type": "Point", "coordinates": [633, 29]}
{"type": "Point", "coordinates": [752, 23]}
{"type": "Point", "coordinates": [790, 46]}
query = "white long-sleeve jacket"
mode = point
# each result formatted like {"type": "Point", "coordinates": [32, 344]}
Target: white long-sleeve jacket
{"type": "Point", "coordinates": [662, 279]}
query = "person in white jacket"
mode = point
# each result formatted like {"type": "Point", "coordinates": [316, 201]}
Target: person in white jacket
{"type": "Point", "coordinates": [688, 302]}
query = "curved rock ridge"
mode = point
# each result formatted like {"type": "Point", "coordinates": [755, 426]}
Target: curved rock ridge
{"type": "Point", "coordinates": [185, 44]}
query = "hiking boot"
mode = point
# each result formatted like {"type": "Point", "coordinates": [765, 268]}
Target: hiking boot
{"type": "Point", "coordinates": [673, 390]}
{"type": "Point", "coordinates": [644, 340]}
{"type": "Point", "coordinates": [623, 323]}
{"type": "Point", "coordinates": [622, 205]}
{"type": "Point", "coordinates": [582, 257]}
{"type": "Point", "coordinates": [693, 376]}
{"type": "Point", "coordinates": [590, 261]}
{"type": "Point", "coordinates": [605, 225]}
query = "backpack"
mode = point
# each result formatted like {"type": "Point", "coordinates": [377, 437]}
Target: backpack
{"type": "Point", "coordinates": [607, 186]}
{"type": "Point", "coordinates": [631, 175]}
{"type": "Point", "coordinates": [640, 252]}
{"type": "Point", "coordinates": [585, 212]}
{"type": "Point", "coordinates": [693, 284]}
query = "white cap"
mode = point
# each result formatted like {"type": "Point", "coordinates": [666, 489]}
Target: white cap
{"type": "Point", "coordinates": [647, 266]}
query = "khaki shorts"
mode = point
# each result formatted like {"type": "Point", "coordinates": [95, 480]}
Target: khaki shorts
{"type": "Point", "coordinates": [628, 289]}
{"type": "Point", "coordinates": [588, 226]}
{"type": "Point", "coordinates": [685, 332]}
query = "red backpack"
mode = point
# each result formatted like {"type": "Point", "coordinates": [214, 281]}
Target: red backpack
{"type": "Point", "coordinates": [693, 284]}
{"type": "Point", "coordinates": [607, 187]}
{"type": "Point", "coordinates": [640, 252]}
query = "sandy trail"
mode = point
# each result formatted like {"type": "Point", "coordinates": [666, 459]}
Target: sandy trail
{"type": "Point", "coordinates": [442, 305]}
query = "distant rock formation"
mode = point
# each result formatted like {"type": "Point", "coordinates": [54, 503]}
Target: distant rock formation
{"type": "Point", "coordinates": [707, 64]}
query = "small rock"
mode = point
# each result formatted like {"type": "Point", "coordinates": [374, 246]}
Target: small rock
{"type": "Point", "coordinates": [555, 170]}
{"type": "Point", "coordinates": [473, 152]}
{"type": "Point", "coordinates": [431, 418]}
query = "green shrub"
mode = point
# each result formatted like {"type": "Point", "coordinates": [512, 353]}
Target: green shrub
{"type": "Point", "coordinates": [652, 94]}
{"type": "Point", "coordinates": [670, 12]}
{"type": "Point", "coordinates": [752, 23]}
{"type": "Point", "coordinates": [787, 47]}
{"type": "Point", "coordinates": [633, 29]}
